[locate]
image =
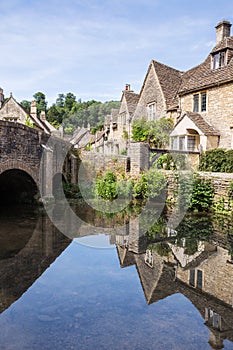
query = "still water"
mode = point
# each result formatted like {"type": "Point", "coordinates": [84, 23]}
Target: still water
{"type": "Point", "coordinates": [106, 292]}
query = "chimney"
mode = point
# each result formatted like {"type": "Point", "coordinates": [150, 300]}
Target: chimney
{"type": "Point", "coordinates": [127, 87]}
{"type": "Point", "coordinates": [1, 97]}
{"type": "Point", "coordinates": [223, 30]}
{"type": "Point", "coordinates": [42, 115]}
{"type": "Point", "coordinates": [33, 109]}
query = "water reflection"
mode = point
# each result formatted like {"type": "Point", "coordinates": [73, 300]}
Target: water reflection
{"type": "Point", "coordinates": [194, 260]}
{"type": "Point", "coordinates": [183, 263]}
{"type": "Point", "coordinates": [29, 244]}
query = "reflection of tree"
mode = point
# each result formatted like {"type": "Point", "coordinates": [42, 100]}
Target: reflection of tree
{"type": "Point", "coordinates": [162, 248]}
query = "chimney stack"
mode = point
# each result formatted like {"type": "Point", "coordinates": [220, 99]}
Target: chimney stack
{"type": "Point", "coordinates": [223, 30]}
{"type": "Point", "coordinates": [1, 97]}
{"type": "Point", "coordinates": [127, 87]}
{"type": "Point", "coordinates": [33, 109]}
{"type": "Point", "coordinates": [42, 115]}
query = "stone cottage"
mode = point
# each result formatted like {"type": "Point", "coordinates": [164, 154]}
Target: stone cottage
{"type": "Point", "coordinates": [11, 110]}
{"type": "Point", "coordinates": [205, 96]}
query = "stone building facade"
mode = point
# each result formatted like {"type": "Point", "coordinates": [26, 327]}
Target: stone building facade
{"type": "Point", "coordinates": [199, 100]}
{"type": "Point", "coordinates": [12, 111]}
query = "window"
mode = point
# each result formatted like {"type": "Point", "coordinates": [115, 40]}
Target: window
{"type": "Point", "coordinates": [174, 142]}
{"type": "Point", "coordinates": [151, 110]}
{"type": "Point", "coordinates": [192, 278]}
{"type": "Point", "coordinates": [191, 143]}
{"type": "Point", "coordinates": [200, 102]}
{"type": "Point", "coordinates": [199, 279]}
{"type": "Point", "coordinates": [219, 60]}
{"type": "Point", "coordinates": [196, 103]}
{"type": "Point", "coordinates": [182, 143]}
{"type": "Point", "coordinates": [196, 279]}
{"type": "Point", "coordinates": [203, 102]}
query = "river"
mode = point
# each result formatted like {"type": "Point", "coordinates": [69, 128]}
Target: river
{"type": "Point", "coordinates": [159, 291]}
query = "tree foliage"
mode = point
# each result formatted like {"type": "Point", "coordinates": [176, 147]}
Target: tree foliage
{"type": "Point", "coordinates": [156, 133]}
{"type": "Point", "coordinates": [72, 112]}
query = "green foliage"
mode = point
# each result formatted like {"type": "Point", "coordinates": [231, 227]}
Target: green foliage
{"type": "Point", "coordinates": [195, 194]}
{"type": "Point", "coordinates": [106, 186]}
{"type": "Point", "coordinates": [150, 184]}
{"type": "Point", "coordinates": [26, 105]}
{"type": "Point", "coordinates": [28, 122]}
{"type": "Point", "coordinates": [161, 249]}
{"type": "Point", "coordinates": [140, 190]}
{"type": "Point", "coordinates": [41, 103]}
{"type": "Point", "coordinates": [125, 135]}
{"type": "Point", "coordinates": [171, 161]}
{"type": "Point", "coordinates": [202, 195]}
{"type": "Point", "coordinates": [124, 152]}
{"type": "Point", "coordinates": [217, 160]}
{"type": "Point", "coordinates": [71, 190]}
{"type": "Point", "coordinates": [156, 133]}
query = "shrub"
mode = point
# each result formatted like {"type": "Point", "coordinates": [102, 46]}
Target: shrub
{"type": "Point", "coordinates": [217, 160]}
{"type": "Point", "coordinates": [106, 186]}
{"type": "Point", "coordinates": [150, 184]}
{"type": "Point", "coordinates": [202, 195]}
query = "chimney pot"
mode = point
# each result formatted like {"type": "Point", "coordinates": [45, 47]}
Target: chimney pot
{"type": "Point", "coordinates": [127, 87]}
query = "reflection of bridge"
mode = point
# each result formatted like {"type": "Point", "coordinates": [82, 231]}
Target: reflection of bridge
{"type": "Point", "coordinates": [26, 163]}
{"type": "Point", "coordinates": [25, 254]}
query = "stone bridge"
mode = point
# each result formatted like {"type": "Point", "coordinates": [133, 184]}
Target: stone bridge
{"type": "Point", "coordinates": [31, 160]}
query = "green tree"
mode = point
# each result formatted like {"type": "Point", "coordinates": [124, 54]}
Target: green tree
{"type": "Point", "coordinates": [40, 102]}
{"type": "Point", "coordinates": [26, 105]}
{"type": "Point", "coordinates": [156, 133]}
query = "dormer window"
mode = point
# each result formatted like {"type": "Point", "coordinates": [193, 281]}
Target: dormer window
{"type": "Point", "coordinates": [219, 60]}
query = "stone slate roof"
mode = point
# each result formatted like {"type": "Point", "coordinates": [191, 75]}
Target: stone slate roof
{"type": "Point", "coordinates": [226, 43]}
{"type": "Point", "coordinates": [203, 76]}
{"type": "Point", "coordinates": [201, 123]}
{"type": "Point", "coordinates": [131, 100]}
{"type": "Point", "coordinates": [170, 81]}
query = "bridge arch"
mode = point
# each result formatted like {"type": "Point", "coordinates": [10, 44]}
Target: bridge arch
{"type": "Point", "coordinates": [17, 186]}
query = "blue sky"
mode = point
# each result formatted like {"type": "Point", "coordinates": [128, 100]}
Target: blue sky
{"type": "Point", "coordinates": [94, 47]}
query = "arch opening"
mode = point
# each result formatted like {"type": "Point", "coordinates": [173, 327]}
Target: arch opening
{"type": "Point", "coordinates": [17, 187]}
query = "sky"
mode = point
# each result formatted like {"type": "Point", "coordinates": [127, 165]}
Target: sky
{"type": "Point", "coordinates": [92, 48]}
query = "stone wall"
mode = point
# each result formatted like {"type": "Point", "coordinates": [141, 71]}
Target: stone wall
{"type": "Point", "coordinates": [101, 162]}
{"type": "Point", "coordinates": [139, 157]}
{"type": "Point", "coordinates": [219, 111]}
{"type": "Point", "coordinates": [220, 181]}
{"type": "Point", "coordinates": [151, 93]}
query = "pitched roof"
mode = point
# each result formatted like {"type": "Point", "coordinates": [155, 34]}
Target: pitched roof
{"type": "Point", "coordinates": [170, 81]}
{"type": "Point", "coordinates": [131, 100]}
{"type": "Point", "coordinates": [201, 123]}
{"type": "Point", "coordinates": [226, 43]}
{"type": "Point", "coordinates": [203, 76]}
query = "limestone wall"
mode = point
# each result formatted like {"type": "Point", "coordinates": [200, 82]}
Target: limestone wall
{"type": "Point", "coordinates": [151, 93]}
{"type": "Point", "coordinates": [219, 110]}
{"type": "Point", "coordinates": [220, 181]}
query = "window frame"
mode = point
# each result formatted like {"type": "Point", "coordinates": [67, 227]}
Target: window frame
{"type": "Point", "coordinates": [151, 111]}
{"type": "Point", "coordinates": [200, 101]}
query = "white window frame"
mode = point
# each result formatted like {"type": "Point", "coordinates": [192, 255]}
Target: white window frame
{"type": "Point", "coordinates": [151, 111]}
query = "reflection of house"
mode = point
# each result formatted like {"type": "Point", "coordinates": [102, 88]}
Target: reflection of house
{"type": "Point", "coordinates": [11, 110]}
{"type": "Point", "coordinates": [206, 279]}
